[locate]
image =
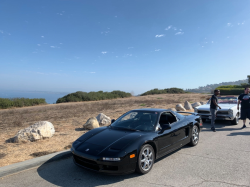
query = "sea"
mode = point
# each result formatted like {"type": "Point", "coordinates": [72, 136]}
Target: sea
{"type": "Point", "coordinates": [50, 97]}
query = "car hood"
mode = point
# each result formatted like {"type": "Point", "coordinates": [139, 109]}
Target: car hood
{"type": "Point", "coordinates": [223, 106]}
{"type": "Point", "coordinates": [112, 139]}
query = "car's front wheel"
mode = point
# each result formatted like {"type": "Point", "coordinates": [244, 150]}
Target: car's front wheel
{"type": "Point", "coordinates": [146, 159]}
{"type": "Point", "coordinates": [235, 121]}
{"type": "Point", "coordinates": [195, 136]}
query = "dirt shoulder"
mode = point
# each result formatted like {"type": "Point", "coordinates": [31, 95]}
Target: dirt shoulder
{"type": "Point", "coordinates": [68, 119]}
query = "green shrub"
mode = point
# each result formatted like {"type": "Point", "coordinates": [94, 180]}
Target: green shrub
{"type": "Point", "coordinates": [92, 96]}
{"type": "Point", "coordinates": [164, 91]}
{"type": "Point", "coordinates": [20, 102]}
{"type": "Point", "coordinates": [231, 91]}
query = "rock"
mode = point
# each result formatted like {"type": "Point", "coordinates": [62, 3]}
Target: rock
{"type": "Point", "coordinates": [187, 105]}
{"type": "Point", "coordinates": [203, 103]}
{"type": "Point", "coordinates": [91, 123]}
{"type": "Point", "coordinates": [179, 107]}
{"type": "Point", "coordinates": [173, 109]}
{"type": "Point", "coordinates": [196, 104]}
{"type": "Point", "coordinates": [103, 120]}
{"type": "Point", "coordinates": [40, 130]}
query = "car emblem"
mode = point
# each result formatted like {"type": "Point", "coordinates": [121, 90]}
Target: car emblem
{"type": "Point", "coordinates": [87, 150]}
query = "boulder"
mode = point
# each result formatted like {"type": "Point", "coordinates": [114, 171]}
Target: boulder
{"type": "Point", "coordinates": [173, 109]}
{"type": "Point", "coordinates": [179, 107]}
{"type": "Point", "coordinates": [103, 120]}
{"type": "Point", "coordinates": [40, 130]}
{"type": "Point", "coordinates": [196, 104]}
{"type": "Point", "coordinates": [187, 105]}
{"type": "Point", "coordinates": [91, 123]}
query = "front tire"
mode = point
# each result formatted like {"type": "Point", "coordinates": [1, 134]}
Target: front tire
{"type": "Point", "coordinates": [195, 136]}
{"type": "Point", "coordinates": [235, 121]}
{"type": "Point", "coordinates": [146, 159]}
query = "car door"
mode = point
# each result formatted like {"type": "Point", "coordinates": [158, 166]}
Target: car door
{"type": "Point", "coordinates": [180, 131]}
{"type": "Point", "coordinates": [165, 139]}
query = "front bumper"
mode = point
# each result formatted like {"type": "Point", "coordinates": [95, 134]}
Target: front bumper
{"type": "Point", "coordinates": [94, 163]}
{"type": "Point", "coordinates": [218, 117]}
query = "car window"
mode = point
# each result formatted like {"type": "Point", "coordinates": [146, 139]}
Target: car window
{"type": "Point", "coordinates": [167, 118]}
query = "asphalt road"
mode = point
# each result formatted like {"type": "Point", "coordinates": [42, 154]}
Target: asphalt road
{"type": "Point", "coordinates": [221, 158]}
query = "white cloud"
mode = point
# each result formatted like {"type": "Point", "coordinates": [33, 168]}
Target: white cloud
{"type": "Point", "coordinates": [92, 72]}
{"type": "Point", "coordinates": [179, 33]}
{"type": "Point", "coordinates": [60, 43]}
{"type": "Point", "coordinates": [157, 49]}
{"type": "Point", "coordinates": [76, 57]}
{"type": "Point", "coordinates": [104, 52]}
{"type": "Point", "coordinates": [229, 24]}
{"type": "Point", "coordinates": [128, 55]}
{"type": "Point", "coordinates": [159, 35]}
{"type": "Point", "coordinates": [169, 27]}
{"type": "Point", "coordinates": [130, 47]}
{"type": "Point", "coordinates": [53, 46]}
{"type": "Point", "coordinates": [42, 36]}
{"type": "Point", "coordinates": [105, 32]}
{"type": "Point", "coordinates": [9, 34]}
{"type": "Point", "coordinates": [212, 42]}
{"type": "Point", "coordinates": [175, 28]}
{"type": "Point", "coordinates": [39, 45]}
{"type": "Point", "coordinates": [1, 31]}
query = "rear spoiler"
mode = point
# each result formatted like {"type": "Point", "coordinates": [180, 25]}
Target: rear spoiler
{"type": "Point", "coordinates": [193, 113]}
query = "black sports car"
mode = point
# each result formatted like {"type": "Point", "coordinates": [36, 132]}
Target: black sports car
{"type": "Point", "coordinates": [133, 141]}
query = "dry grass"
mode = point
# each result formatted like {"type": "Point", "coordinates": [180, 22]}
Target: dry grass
{"type": "Point", "coordinates": [68, 119]}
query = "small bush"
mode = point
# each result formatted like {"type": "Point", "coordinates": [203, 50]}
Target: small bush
{"type": "Point", "coordinates": [38, 154]}
{"type": "Point", "coordinates": [20, 102]}
{"type": "Point", "coordinates": [92, 96]}
{"type": "Point", "coordinates": [164, 91]}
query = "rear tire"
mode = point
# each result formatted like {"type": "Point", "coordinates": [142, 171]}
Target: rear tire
{"type": "Point", "coordinates": [146, 159]}
{"type": "Point", "coordinates": [195, 136]}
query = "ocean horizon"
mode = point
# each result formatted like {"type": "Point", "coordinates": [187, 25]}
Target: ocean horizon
{"type": "Point", "coordinates": [50, 97]}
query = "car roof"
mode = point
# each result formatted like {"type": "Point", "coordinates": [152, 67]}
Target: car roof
{"type": "Point", "coordinates": [152, 109]}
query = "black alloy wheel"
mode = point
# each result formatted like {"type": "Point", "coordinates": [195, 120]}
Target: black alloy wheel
{"type": "Point", "coordinates": [146, 159]}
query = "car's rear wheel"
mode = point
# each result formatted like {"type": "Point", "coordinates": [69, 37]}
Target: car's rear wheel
{"type": "Point", "coordinates": [146, 159]}
{"type": "Point", "coordinates": [235, 121]}
{"type": "Point", "coordinates": [195, 136]}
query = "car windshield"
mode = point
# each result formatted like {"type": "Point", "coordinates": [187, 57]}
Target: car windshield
{"type": "Point", "coordinates": [137, 121]}
{"type": "Point", "coordinates": [226, 100]}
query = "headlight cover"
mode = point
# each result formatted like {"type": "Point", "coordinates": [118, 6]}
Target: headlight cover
{"type": "Point", "coordinates": [231, 112]}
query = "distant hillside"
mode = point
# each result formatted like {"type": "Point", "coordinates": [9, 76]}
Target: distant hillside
{"type": "Point", "coordinates": [208, 88]}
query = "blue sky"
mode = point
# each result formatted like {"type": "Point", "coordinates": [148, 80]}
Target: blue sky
{"type": "Point", "coordinates": [128, 45]}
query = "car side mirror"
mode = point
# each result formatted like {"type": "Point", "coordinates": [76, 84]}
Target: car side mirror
{"type": "Point", "coordinates": [112, 121]}
{"type": "Point", "coordinates": [165, 127]}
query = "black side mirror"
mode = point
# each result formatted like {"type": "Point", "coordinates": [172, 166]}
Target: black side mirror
{"type": "Point", "coordinates": [165, 127]}
{"type": "Point", "coordinates": [112, 121]}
